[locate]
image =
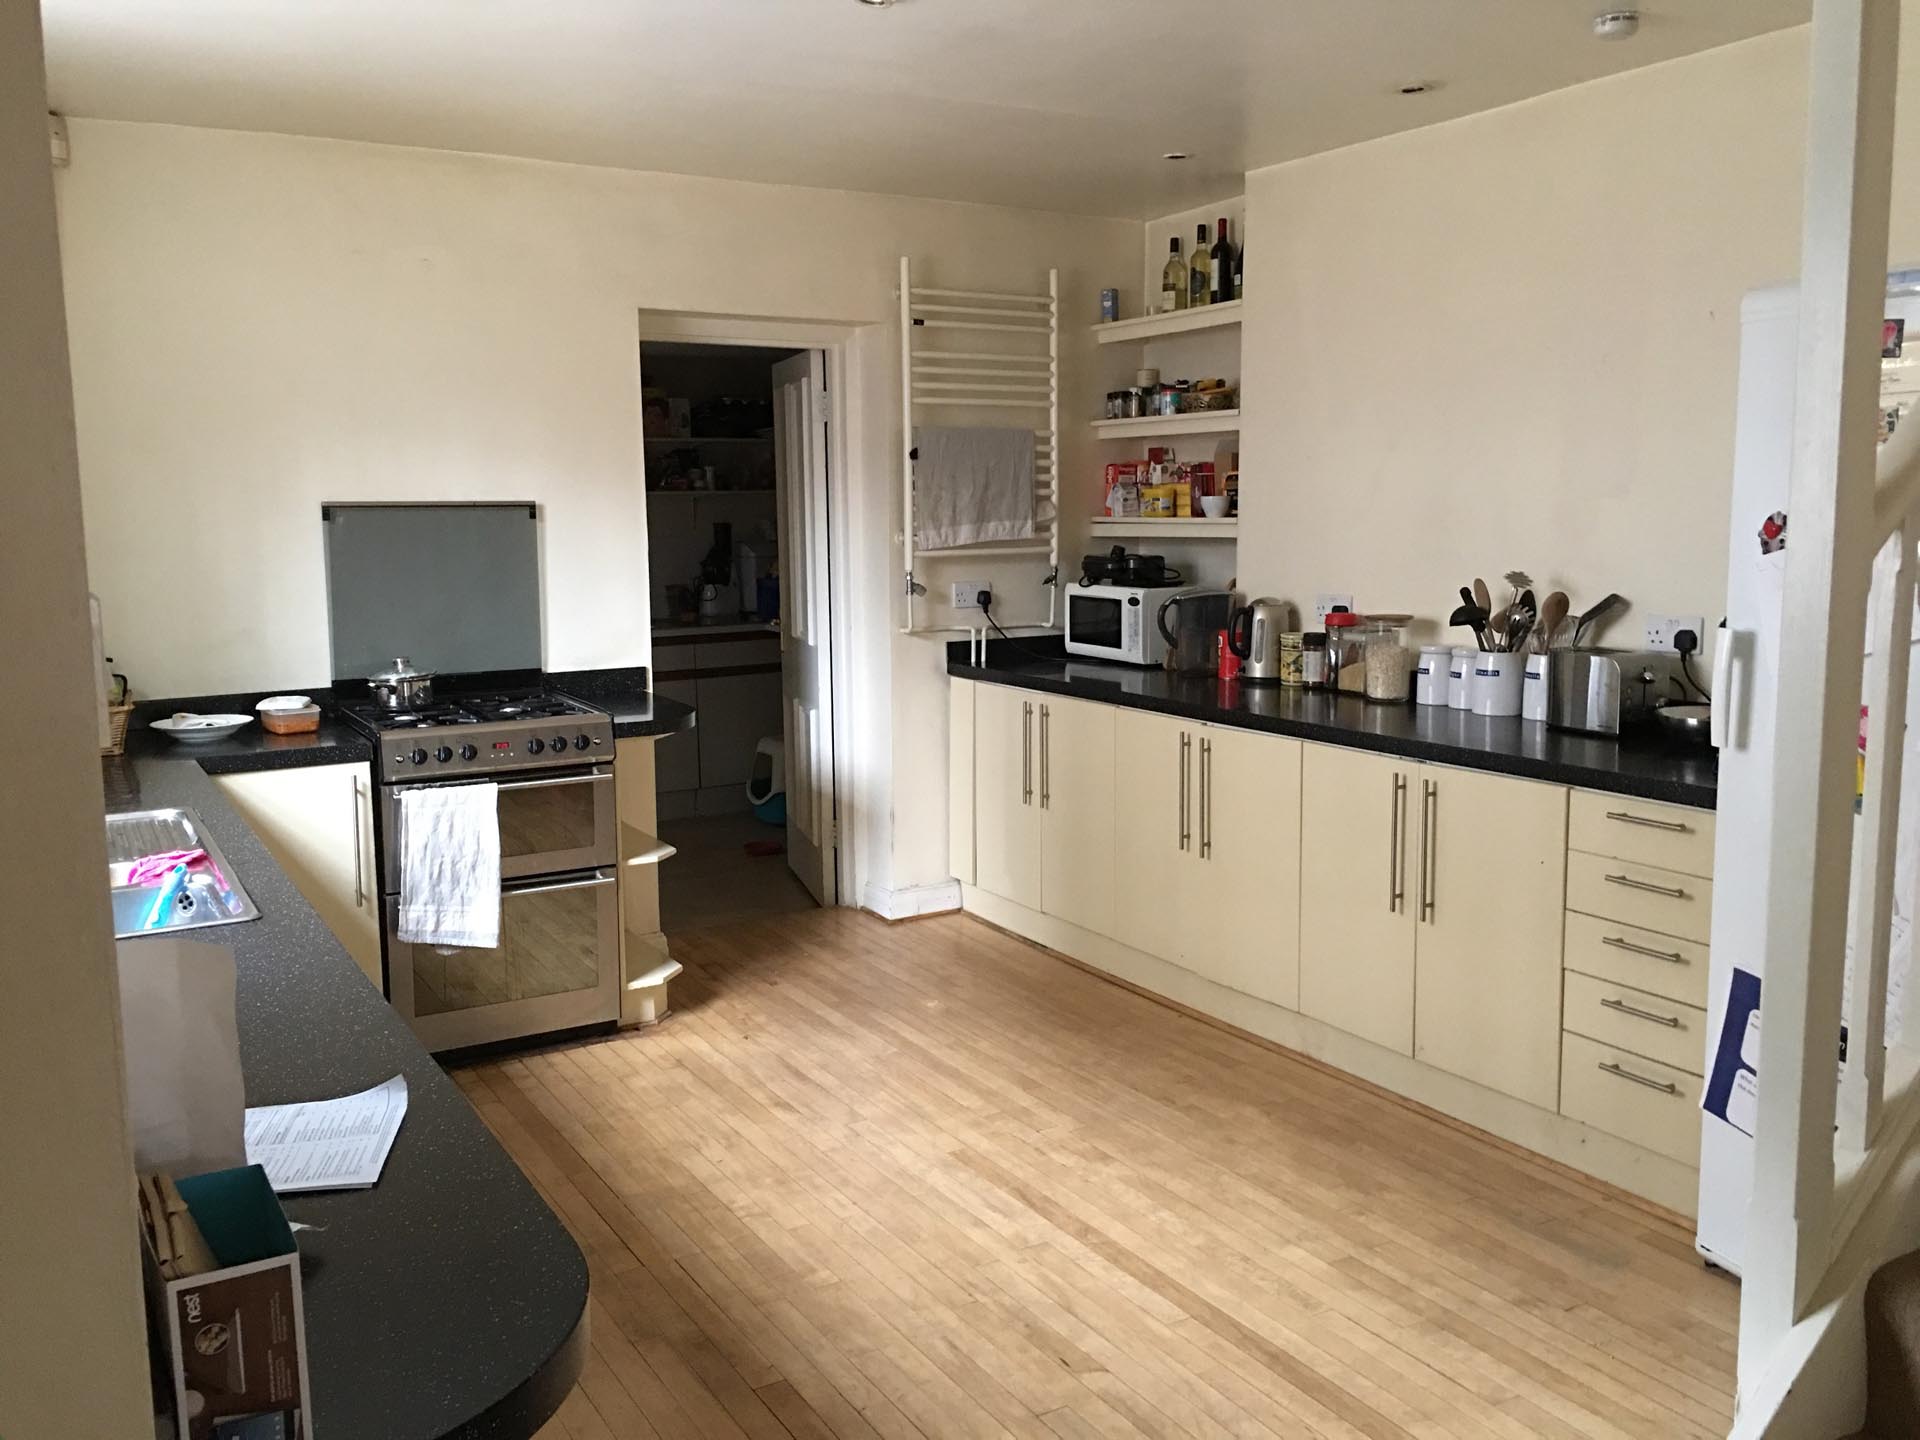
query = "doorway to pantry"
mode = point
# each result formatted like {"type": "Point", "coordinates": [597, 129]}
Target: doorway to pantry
{"type": "Point", "coordinates": [736, 474]}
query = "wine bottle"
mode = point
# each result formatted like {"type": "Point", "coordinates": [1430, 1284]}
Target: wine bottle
{"type": "Point", "coordinates": [1198, 279]}
{"type": "Point", "coordinates": [1173, 280]}
{"type": "Point", "coordinates": [1239, 271]}
{"type": "Point", "coordinates": [1222, 264]}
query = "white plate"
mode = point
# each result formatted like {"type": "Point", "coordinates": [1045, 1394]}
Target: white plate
{"type": "Point", "coordinates": [200, 729]}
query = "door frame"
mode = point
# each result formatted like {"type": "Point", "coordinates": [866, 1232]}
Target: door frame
{"type": "Point", "coordinates": [836, 342]}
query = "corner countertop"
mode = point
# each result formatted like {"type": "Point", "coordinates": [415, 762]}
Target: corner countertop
{"type": "Point", "coordinates": [253, 748]}
{"type": "Point", "coordinates": [1647, 765]}
{"type": "Point", "coordinates": [628, 696]}
{"type": "Point", "coordinates": [674, 631]}
{"type": "Point", "coordinates": [447, 1302]}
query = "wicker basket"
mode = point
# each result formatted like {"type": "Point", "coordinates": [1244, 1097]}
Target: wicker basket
{"type": "Point", "coordinates": [1196, 403]}
{"type": "Point", "coordinates": [117, 717]}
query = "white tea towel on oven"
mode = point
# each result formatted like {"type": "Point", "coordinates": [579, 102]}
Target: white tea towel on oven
{"type": "Point", "coordinates": [450, 865]}
{"type": "Point", "coordinates": [972, 484]}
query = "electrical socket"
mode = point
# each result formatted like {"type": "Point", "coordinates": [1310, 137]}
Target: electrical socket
{"type": "Point", "coordinates": [966, 593]}
{"type": "Point", "coordinates": [1322, 604]}
{"type": "Point", "coordinates": [1662, 628]}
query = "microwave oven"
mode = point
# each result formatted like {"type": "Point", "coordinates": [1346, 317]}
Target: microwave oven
{"type": "Point", "coordinates": [1116, 622]}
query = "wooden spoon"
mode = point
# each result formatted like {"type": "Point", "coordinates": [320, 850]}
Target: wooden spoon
{"type": "Point", "coordinates": [1482, 596]}
{"type": "Point", "coordinates": [1553, 614]}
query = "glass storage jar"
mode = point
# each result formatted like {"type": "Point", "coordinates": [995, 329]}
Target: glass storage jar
{"type": "Point", "coordinates": [1389, 663]}
{"type": "Point", "coordinates": [1346, 663]}
{"type": "Point", "coordinates": [1313, 660]}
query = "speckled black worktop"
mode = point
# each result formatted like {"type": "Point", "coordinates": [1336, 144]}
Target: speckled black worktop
{"type": "Point", "coordinates": [1646, 764]}
{"type": "Point", "coordinates": [627, 696]}
{"type": "Point", "coordinates": [447, 1301]}
{"type": "Point", "coordinates": [252, 748]}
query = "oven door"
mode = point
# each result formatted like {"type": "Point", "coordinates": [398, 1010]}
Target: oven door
{"type": "Point", "coordinates": [549, 823]}
{"type": "Point", "coordinates": [557, 967]}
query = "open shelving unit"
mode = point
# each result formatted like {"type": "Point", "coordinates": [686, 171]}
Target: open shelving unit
{"type": "Point", "coordinates": [1147, 427]}
{"type": "Point", "coordinates": [1196, 528]}
{"type": "Point", "coordinates": [1176, 322]}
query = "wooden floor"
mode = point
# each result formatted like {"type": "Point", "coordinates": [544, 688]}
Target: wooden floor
{"type": "Point", "coordinates": [926, 1180]}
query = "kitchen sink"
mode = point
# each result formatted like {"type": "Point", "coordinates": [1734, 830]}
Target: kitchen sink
{"type": "Point", "coordinates": [156, 907]}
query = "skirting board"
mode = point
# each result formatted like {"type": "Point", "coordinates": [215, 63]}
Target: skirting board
{"type": "Point", "coordinates": [912, 902]}
{"type": "Point", "coordinates": [1666, 1183]}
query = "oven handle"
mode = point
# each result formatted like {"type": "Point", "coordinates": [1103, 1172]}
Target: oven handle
{"type": "Point", "coordinates": [594, 778]}
{"type": "Point", "coordinates": [599, 877]}
{"type": "Point", "coordinates": [579, 778]}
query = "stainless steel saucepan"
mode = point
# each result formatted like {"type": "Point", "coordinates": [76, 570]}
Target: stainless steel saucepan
{"type": "Point", "coordinates": [401, 687]}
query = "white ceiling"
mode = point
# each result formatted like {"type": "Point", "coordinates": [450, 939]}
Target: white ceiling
{"type": "Point", "coordinates": [1057, 104]}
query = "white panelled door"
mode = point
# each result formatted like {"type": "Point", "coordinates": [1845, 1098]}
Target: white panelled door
{"type": "Point", "coordinates": [800, 468]}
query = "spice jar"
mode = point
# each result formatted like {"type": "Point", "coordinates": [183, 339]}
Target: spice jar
{"type": "Point", "coordinates": [1389, 664]}
{"type": "Point", "coordinates": [1293, 657]}
{"type": "Point", "coordinates": [1346, 656]}
{"type": "Point", "coordinates": [1313, 660]}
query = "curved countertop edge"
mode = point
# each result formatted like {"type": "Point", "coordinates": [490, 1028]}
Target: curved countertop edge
{"type": "Point", "coordinates": [417, 1289]}
{"type": "Point", "coordinates": [638, 713]}
{"type": "Point", "coordinates": [1645, 767]}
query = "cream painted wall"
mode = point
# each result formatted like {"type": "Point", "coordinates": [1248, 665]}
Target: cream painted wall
{"type": "Point", "coordinates": [261, 323]}
{"type": "Point", "coordinates": [1512, 340]}
{"type": "Point", "coordinates": [72, 1327]}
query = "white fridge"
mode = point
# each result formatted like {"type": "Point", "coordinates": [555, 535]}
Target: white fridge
{"type": "Point", "coordinates": [1746, 680]}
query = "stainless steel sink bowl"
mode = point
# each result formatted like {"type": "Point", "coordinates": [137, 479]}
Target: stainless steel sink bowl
{"type": "Point", "coordinates": [147, 909]}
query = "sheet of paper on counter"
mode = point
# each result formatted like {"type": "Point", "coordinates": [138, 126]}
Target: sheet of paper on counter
{"type": "Point", "coordinates": [327, 1144]}
{"type": "Point", "coordinates": [182, 1051]}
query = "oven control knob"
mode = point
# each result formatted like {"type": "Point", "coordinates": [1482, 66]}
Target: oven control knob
{"type": "Point", "coordinates": [581, 742]}
{"type": "Point", "coordinates": [419, 757]}
{"type": "Point", "coordinates": [559, 744]}
{"type": "Point", "coordinates": [443, 754]}
{"type": "Point", "coordinates": [536, 745]}
{"type": "Point", "coordinates": [467, 752]}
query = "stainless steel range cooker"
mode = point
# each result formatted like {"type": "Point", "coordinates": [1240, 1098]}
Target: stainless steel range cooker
{"type": "Point", "coordinates": [557, 966]}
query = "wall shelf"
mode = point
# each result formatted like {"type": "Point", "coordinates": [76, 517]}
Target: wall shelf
{"type": "Point", "coordinates": [1179, 322]}
{"type": "Point", "coordinates": [1198, 422]}
{"type": "Point", "coordinates": [1196, 528]}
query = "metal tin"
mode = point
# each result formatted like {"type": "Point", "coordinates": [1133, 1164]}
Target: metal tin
{"type": "Point", "coordinates": [1293, 657]}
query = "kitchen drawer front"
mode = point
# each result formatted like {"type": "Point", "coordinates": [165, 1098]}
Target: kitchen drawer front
{"type": "Point", "coordinates": [1648, 1025]}
{"type": "Point", "coordinates": [1666, 901]}
{"type": "Point", "coordinates": [1673, 837]}
{"type": "Point", "coordinates": [1627, 955]}
{"type": "Point", "coordinates": [1651, 1105]}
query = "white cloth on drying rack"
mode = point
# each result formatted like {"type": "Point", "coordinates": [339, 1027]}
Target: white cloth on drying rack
{"type": "Point", "coordinates": [450, 865]}
{"type": "Point", "coordinates": [972, 484]}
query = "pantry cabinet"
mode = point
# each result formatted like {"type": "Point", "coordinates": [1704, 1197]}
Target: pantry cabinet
{"type": "Point", "coordinates": [1209, 845]}
{"type": "Point", "coordinates": [1488, 912]}
{"type": "Point", "coordinates": [1356, 903]}
{"type": "Point", "coordinates": [317, 822]}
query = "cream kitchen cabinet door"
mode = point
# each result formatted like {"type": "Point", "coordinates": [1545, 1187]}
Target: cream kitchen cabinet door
{"type": "Point", "coordinates": [317, 822]}
{"type": "Point", "coordinates": [1153, 773]}
{"type": "Point", "coordinates": [1239, 904]}
{"type": "Point", "coordinates": [1489, 896]}
{"type": "Point", "coordinates": [1006, 793]}
{"type": "Point", "coordinates": [960, 779]}
{"type": "Point", "coordinates": [1076, 799]}
{"type": "Point", "coordinates": [1356, 898]}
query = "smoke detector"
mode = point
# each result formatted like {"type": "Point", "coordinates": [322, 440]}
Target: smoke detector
{"type": "Point", "coordinates": [1616, 24]}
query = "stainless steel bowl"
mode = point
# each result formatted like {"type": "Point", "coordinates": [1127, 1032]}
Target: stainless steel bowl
{"type": "Point", "coordinates": [1695, 722]}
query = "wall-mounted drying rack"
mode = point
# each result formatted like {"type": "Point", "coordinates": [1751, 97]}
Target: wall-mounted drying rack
{"type": "Point", "coordinates": [986, 358]}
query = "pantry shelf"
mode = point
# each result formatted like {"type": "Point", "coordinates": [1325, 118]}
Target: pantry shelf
{"type": "Point", "coordinates": [1196, 528]}
{"type": "Point", "coordinates": [1198, 422]}
{"type": "Point", "coordinates": [1178, 322]}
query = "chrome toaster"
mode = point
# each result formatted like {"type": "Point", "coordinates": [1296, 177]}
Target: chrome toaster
{"type": "Point", "coordinates": [1599, 691]}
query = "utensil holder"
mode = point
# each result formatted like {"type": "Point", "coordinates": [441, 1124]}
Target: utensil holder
{"type": "Point", "coordinates": [1460, 679]}
{"type": "Point", "coordinates": [1533, 695]}
{"type": "Point", "coordinates": [1496, 683]}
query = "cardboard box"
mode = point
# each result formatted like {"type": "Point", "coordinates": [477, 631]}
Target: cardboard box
{"type": "Point", "coordinates": [234, 1338]}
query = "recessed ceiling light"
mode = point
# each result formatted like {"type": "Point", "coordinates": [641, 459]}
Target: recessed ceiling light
{"type": "Point", "coordinates": [1418, 87]}
{"type": "Point", "coordinates": [1616, 24]}
{"type": "Point", "coordinates": [1174, 155]}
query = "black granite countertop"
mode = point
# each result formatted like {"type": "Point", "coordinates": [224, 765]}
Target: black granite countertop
{"type": "Point", "coordinates": [628, 697]}
{"type": "Point", "coordinates": [253, 748]}
{"type": "Point", "coordinates": [1646, 764]}
{"type": "Point", "coordinates": [447, 1302]}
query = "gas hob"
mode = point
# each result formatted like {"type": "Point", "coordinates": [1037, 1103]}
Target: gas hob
{"type": "Point", "coordinates": [464, 735]}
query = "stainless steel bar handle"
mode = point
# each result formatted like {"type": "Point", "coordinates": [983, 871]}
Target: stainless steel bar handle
{"type": "Point", "coordinates": [1186, 746]}
{"type": "Point", "coordinates": [1206, 798]}
{"type": "Point", "coordinates": [1672, 957]}
{"type": "Point", "coordinates": [1625, 817]}
{"type": "Point", "coordinates": [359, 876]}
{"type": "Point", "coordinates": [1672, 1022]}
{"type": "Point", "coordinates": [1665, 1087]}
{"type": "Point", "coordinates": [1429, 849]}
{"type": "Point", "coordinates": [593, 779]}
{"type": "Point", "coordinates": [598, 878]}
{"type": "Point", "coordinates": [1672, 892]}
{"type": "Point", "coordinates": [1396, 867]}
{"type": "Point", "coordinates": [1046, 757]}
{"type": "Point", "coordinates": [1026, 752]}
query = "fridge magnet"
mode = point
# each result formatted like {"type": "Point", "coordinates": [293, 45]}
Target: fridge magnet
{"type": "Point", "coordinates": [1773, 533]}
